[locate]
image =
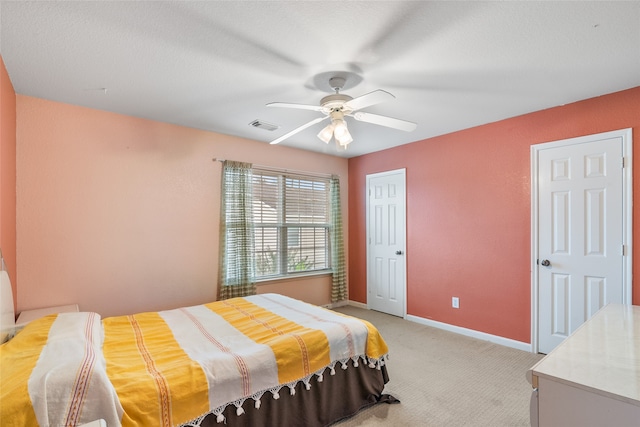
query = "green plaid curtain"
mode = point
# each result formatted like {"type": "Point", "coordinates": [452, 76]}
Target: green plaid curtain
{"type": "Point", "coordinates": [236, 232]}
{"type": "Point", "coordinates": [339, 285]}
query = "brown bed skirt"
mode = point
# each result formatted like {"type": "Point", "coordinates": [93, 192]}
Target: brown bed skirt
{"type": "Point", "coordinates": [337, 397]}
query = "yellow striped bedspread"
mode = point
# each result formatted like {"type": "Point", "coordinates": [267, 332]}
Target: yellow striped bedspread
{"type": "Point", "coordinates": [174, 367]}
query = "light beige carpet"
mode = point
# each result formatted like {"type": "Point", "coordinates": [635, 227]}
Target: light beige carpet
{"type": "Point", "coordinates": [446, 379]}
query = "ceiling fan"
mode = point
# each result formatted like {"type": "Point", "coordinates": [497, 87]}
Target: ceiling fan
{"type": "Point", "coordinates": [338, 106]}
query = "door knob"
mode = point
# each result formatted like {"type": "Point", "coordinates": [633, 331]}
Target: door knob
{"type": "Point", "coordinates": [545, 263]}
{"type": "Point", "coordinates": [398, 252]}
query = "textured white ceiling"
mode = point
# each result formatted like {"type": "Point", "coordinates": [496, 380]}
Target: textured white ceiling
{"type": "Point", "coordinates": [214, 65]}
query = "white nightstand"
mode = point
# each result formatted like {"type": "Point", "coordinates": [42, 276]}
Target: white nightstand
{"type": "Point", "coordinates": [27, 316]}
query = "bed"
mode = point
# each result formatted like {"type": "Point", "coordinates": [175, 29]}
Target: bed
{"type": "Point", "coordinates": [263, 360]}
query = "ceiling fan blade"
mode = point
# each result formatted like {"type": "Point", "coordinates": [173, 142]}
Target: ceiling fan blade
{"type": "Point", "coordinates": [371, 98]}
{"type": "Point", "coordinates": [298, 106]}
{"type": "Point", "coordinates": [385, 121]}
{"type": "Point", "coordinates": [299, 129]}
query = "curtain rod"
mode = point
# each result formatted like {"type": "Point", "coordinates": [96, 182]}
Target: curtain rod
{"type": "Point", "coordinates": [275, 169]}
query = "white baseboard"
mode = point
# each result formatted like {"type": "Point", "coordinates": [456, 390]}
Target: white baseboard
{"type": "Point", "coordinates": [358, 304]}
{"type": "Point", "coordinates": [507, 342]}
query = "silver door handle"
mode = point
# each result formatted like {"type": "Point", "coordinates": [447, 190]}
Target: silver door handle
{"type": "Point", "coordinates": [398, 252]}
{"type": "Point", "coordinates": [545, 263]}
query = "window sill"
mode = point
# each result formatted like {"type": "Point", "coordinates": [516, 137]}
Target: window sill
{"type": "Point", "coordinates": [292, 277]}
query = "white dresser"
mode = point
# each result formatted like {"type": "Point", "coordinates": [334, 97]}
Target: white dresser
{"type": "Point", "coordinates": [593, 377]}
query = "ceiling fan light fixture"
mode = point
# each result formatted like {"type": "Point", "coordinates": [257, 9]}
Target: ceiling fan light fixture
{"type": "Point", "coordinates": [338, 130]}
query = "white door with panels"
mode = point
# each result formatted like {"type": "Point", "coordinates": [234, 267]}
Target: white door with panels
{"type": "Point", "coordinates": [581, 231]}
{"type": "Point", "coordinates": [386, 235]}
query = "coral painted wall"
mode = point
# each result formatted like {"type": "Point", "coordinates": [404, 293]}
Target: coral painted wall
{"type": "Point", "coordinates": [468, 213]}
{"type": "Point", "coordinates": [121, 214]}
{"type": "Point", "coordinates": [8, 175]}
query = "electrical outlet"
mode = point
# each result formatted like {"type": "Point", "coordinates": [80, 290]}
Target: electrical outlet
{"type": "Point", "coordinates": [455, 302]}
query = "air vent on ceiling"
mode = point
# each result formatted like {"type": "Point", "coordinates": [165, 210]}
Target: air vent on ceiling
{"type": "Point", "coordinates": [263, 125]}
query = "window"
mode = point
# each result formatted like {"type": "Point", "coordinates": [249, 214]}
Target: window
{"type": "Point", "coordinates": [292, 221]}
